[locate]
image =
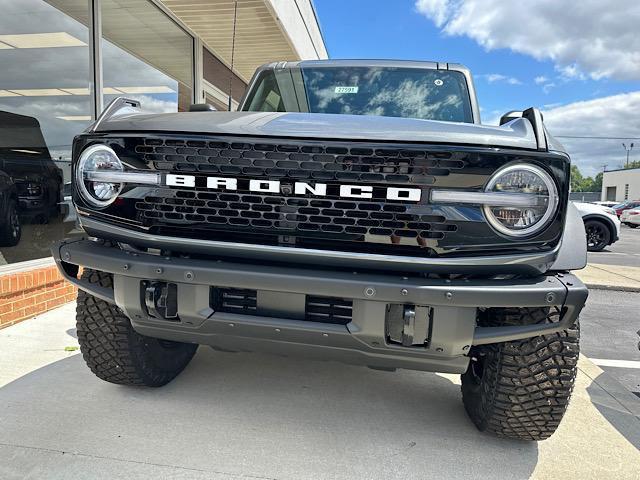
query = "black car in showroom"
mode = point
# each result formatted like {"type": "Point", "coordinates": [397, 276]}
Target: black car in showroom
{"type": "Point", "coordinates": [24, 156]}
{"type": "Point", "coordinates": [10, 230]}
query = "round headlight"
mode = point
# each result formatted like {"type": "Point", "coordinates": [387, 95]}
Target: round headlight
{"type": "Point", "coordinates": [98, 158]}
{"type": "Point", "coordinates": [538, 192]}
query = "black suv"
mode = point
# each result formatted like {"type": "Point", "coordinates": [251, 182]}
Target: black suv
{"type": "Point", "coordinates": [25, 157]}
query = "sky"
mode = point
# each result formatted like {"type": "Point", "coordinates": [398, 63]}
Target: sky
{"type": "Point", "coordinates": [579, 62]}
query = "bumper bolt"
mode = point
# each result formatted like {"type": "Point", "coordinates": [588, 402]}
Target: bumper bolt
{"type": "Point", "coordinates": [278, 330]}
{"type": "Point", "coordinates": [439, 349]}
{"type": "Point", "coordinates": [158, 270]}
{"type": "Point", "coordinates": [125, 266]}
{"type": "Point", "coordinates": [188, 275]}
{"type": "Point", "coordinates": [550, 297]}
{"type": "Point", "coordinates": [325, 334]}
{"type": "Point", "coordinates": [232, 324]}
{"type": "Point", "coordinates": [448, 295]}
{"type": "Point", "coordinates": [370, 292]}
{"type": "Point", "coordinates": [404, 292]}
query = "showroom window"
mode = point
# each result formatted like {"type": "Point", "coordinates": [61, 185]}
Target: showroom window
{"type": "Point", "coordinates": [219, 81]}
{"type": "Point", "coordinates": [146, 56]}
{"type": "Point", "coordinates": [44, 102]}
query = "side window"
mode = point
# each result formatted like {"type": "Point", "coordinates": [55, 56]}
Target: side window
{"type": "Point", "coordinates": [267, 96]}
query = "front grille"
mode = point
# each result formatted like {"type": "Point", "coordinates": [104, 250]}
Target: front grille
{"type": "Point", "coordinates": [364, 220]}
{"type": "Point", "coordinates": [368, 221]}
{"type": "Point", "coordinates": [329, 222]}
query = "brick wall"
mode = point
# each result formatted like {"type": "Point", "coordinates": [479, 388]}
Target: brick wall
{"type": "Point", "coordinates": [27, 293]}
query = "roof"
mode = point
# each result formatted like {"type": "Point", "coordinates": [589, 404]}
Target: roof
{"type": "Point", "coordinates": [622, 169]}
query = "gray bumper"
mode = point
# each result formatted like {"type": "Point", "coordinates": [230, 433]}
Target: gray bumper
{"type": "Point", "coordinates": [453, 304]}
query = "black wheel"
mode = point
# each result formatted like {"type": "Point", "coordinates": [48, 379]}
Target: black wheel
{"type": "Point", "coordinates": [10, 228]}
{"type": "Point", "coordinates": [521, 389]}
{"type": "Point", "coordinates": [598, 235]}
{"type": "Point", "coordinates": [115, 352]}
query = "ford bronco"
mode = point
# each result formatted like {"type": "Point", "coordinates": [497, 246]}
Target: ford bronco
{"type": "Point", "coordinates": [350, 210]}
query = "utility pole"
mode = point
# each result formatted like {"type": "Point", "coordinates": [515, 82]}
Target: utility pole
{"type": "Point", "coordinates": [628, 150]}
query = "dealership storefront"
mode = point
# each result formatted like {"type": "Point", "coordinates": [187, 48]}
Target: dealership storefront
{"type": "Point", "coordinates": [63, 60]}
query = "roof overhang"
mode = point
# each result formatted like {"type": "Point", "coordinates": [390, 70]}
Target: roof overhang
{"type": "Point", "coordinates": [266, 30]}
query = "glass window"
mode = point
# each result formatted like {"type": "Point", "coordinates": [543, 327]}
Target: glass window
{"type": "Point", "coordinates": [146, 56]}
{"type": "Point", "coordinates": [44, 102]}
{"type": "Point", "coordinates": [219, 81]}
{"type": "Point", "coordinates": [386, 91]}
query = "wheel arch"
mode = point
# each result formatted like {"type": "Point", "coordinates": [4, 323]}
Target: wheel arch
{"type": "Point", "coordinates": [606, 221]}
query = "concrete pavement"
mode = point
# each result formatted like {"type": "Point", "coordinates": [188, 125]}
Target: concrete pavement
{"type": "Point", "coordinates": [610, 277]}
{"type": "Point", "coordinates": [253, 416]}
{"type": "Point", "coordinates": [626, 251]}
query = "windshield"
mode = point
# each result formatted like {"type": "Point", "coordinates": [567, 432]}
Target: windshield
{"type": "Point", "coordinates": [386, 91]}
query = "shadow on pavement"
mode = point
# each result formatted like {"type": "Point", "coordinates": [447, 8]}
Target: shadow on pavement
{"type": "Point", "coordinates": [623, 417]}
{"type": "Point", "coordinates": [263, 416]}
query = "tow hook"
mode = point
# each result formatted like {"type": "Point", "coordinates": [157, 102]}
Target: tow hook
{"type": "Point", "coordinates": [161, 300]}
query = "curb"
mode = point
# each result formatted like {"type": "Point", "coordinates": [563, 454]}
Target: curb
{"type": "Point", "coordinates": [619, 288]}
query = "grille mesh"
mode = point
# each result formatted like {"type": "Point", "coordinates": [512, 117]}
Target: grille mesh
{"type": "Point", "coordinates": [300, 162]}
{"type": "Point", "coordinates": [269, 212]}
{"type": "Point", "coordinates": [370, 220]}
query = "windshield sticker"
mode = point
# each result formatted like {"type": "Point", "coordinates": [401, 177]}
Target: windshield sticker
{"type": "Point", "coordinates": [438, 83]}
{"type": "Point", "coordinates": [346, 90]}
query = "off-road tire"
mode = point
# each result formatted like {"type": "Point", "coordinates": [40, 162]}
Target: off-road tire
{"type": "Point", "coordinates": [115, 352]}
{"type": "Point", "coordinates": [10, 228]}
{"type": "Point", "coordinates": [521, 389]}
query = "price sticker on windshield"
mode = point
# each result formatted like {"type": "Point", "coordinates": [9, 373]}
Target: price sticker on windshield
{"type": "Point", "coordinates": [346, 90]}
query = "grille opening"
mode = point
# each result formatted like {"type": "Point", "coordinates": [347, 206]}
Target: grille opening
{"type": "Point", "coordinates": [318, 309]}
{"type": "Point", "coordinates": [328, 310]}
{"type": "Point", "coordinates": [233, 300]}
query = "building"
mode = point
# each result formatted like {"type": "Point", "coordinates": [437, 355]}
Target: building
{"type": "Point", "coordinates": [621, 185]}
{"type": "Point", "coordinates": [64, 60]}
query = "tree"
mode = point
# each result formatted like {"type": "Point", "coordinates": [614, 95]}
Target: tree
{"type": "Point", "coordinates": [576, 179]}
{"type": "Point", "coordinates": [633, 164]}
{"type": "Point", "coordinates": [584, 184]}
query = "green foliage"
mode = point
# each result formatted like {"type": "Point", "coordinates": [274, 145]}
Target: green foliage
{"type": "Point", "coordinates": [584, 184]}
{"type": "Point", "coordinates": [633, 164]}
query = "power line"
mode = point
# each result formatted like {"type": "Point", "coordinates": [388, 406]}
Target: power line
{"type": "Point", "coordinates": [597, 138]}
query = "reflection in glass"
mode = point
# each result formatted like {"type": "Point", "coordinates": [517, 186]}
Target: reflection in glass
{"type": "Point", "coordinates": [384, 91]}
{"type": "Point", "coordinates": [146, 56]}
{"type": "Point", "coordinates": [44, 102]}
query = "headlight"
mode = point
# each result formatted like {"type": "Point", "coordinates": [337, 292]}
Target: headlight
{"type": "Point", "coordinates": [98, 159]}
{"type": "Point", "coordinates": [539, 205]}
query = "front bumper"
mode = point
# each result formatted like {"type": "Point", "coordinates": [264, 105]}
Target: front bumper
{"type": "Point", "coordinates": [452, 305]}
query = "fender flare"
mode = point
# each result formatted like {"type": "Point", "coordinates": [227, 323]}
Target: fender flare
{"type": "Point", "coordinates": [573, 245]}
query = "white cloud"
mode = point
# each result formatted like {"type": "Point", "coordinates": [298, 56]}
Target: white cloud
{"type": "Point", "coordinates": [497, 77]}
{"type": "Point", "coordinates": [595, 39]}
{"type": "Point", "coordinates": [540, 80]}
{"type": "Point", "coordinates": [614, 116]}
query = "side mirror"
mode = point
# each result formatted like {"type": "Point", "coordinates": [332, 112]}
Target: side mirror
{"type": "Point", "coordinates": [512, 115]}
{"type": "Point", "coordinates": [202, 107]}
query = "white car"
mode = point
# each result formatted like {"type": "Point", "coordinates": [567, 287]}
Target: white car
{"type": "Point", "coordinates": [606, 204]}
{"type": "Point", "coordinates": [631, 217]}
{"type": "Point", "coordinates": [601, 225]}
